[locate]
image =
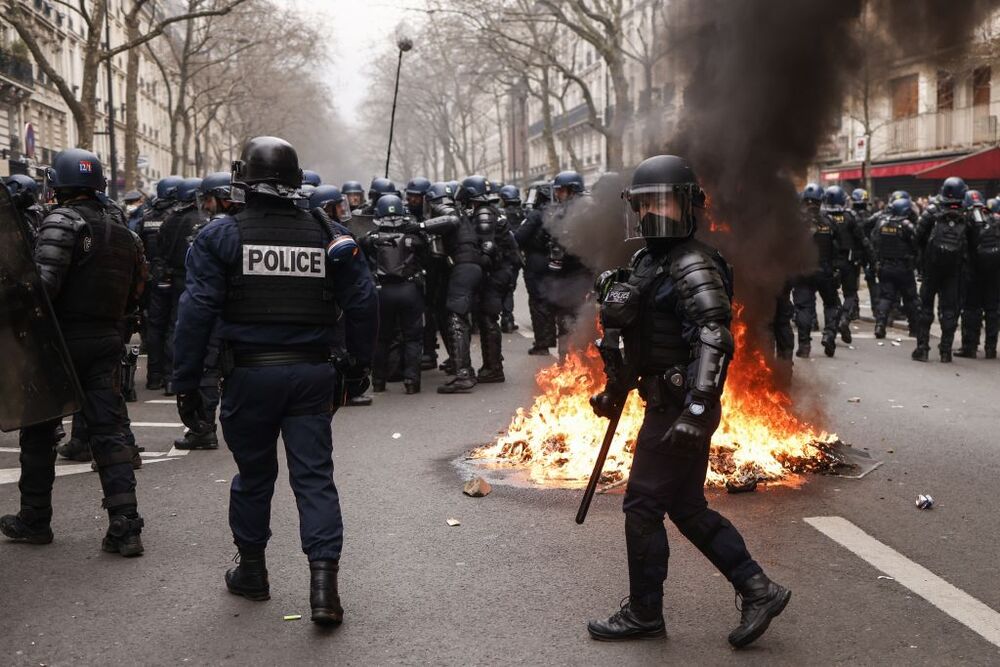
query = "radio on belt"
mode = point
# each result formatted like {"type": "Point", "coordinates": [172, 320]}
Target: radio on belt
{"type": "Point", "coordinates": [266, 260]}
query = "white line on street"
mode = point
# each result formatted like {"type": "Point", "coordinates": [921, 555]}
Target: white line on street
{"type": "Point", "coordinates": [159, 424]}
{"type": "Point", "coordinates": [10, 450]}
{"type": "Point", "coordinates": [12, 475]}
{"type": "Point", "coordinates": [178, 452]}
{"type": "Point", "coordinates": [162, 401]}
{"type": "Point", "coordinates": [953, 601]}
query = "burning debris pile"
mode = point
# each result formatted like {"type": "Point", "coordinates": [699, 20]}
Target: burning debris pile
{"type": "Point", "coordinates": [556, 440]}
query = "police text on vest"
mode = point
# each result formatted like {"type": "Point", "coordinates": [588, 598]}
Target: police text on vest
{"type": "Point", "coordinates": [270, 260]}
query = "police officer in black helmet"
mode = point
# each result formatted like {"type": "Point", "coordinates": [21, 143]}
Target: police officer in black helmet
{"type": "Point", "coordinates": [822, 281]}
{"type": "Point", "coordinates": [672, 309]}
{"type": "Point", "coordinates": [92, 268]}
{"type": "Point", "coordinates": [278, 277]}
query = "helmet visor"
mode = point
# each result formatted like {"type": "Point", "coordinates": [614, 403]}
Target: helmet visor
{"type": "Point", "coordinates": [343, 209]}
{"type": "Point", "coordinates": [657, 212]}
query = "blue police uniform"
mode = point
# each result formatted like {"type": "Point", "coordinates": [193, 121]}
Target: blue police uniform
{"type": "Point", "coordinates": [280, 380]}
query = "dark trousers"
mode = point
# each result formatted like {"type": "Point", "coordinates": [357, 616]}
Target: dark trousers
{"type": "Point", "coordinates": [401, 316]}
{"type": "Point", "coordinates": [295, 401]}
{"type": "Point", "coordinates": [668, 482]}
{"type": "Point", "coordinates": [781, 326]}
{"type": "Point", "coordinates": [508, 296]}
{"type": "Point", "coordinates": [982, 301]}
{"type": "Point", "coordinates": [543, 321]}
{"type": "Point", "coordinates": [804, 293]}
{"type": "Point", "coordinates": [944, 285]}
{"type": "Point", "coordinates": [896, 281]}
{"type": "Point", "coordinates": [157, 323]}
{"type": "Point", "coordinates": [435, 314]}
{"type": "Point", "coordinates": [98, 366]}
{"type": "Point", "coordinates": [566, 293]}
{"type": "Point", "coordinates": [850, 279]}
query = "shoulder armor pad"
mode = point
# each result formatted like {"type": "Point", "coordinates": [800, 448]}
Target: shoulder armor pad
{"type": "Point", "coordinates": [60, 228]}
{"type": "Point", "coordinates": [700, 286]}
{"type": "Point", "coordinates": [637, 257]}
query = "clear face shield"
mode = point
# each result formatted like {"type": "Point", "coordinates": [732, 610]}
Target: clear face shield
{"type": "Point", "coordinates": [658, 211]}
{"type": "Point", "coordinates": [340, 211]}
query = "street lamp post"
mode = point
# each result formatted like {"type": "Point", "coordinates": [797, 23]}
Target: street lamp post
{"type": "Point", "coordinates": [404, 44]}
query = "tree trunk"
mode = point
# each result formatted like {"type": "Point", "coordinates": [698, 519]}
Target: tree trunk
{"type": "Point", "coordinates": [620, 118]}
{"type": "Point", "coordinates": [132, 105]}
{"type": "Point", "coordinates": [88, 89]}
{"type": "Point", "coordinates": [547, 132]}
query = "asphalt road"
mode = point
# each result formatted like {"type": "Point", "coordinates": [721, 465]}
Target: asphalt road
{"type": "Point", "coordinates": [516, 581]}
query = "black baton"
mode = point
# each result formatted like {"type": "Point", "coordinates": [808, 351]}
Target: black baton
{"type": "Point", "coordinates": [602, 455]}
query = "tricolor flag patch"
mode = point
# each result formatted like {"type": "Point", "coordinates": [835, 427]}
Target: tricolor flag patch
{"type": "Point", "coordinates": [86, 167]}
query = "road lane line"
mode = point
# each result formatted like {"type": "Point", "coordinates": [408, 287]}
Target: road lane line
{"type": "Point", "coordinates": [158, 424]}
{"type": "Point", "coordinates": [162, 401]}
{"type": "Point", "coordinates": [953, 601]}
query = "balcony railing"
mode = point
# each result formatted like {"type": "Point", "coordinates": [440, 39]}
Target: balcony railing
{"type": "Point", "coordinates": [943, 131]}
{"type": "Point", "coordinates": [16, 67]}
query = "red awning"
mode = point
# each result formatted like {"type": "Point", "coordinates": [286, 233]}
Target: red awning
{"type": "Point", "coordinates": [981, 166]}
{"type": "Point", "coordinates": [884, 170]}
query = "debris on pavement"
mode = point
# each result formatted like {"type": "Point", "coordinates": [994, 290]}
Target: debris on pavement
{"type": "Point", "coordinates": [292, 617]}
{"type": "Point", "coordinates": [454, 522]}
{"type": "Point", "coordinates": [397, 436]}
{"type": "Point", "coordinates": [886, 577]}
{"type": "Point", "coordinates": [477, 488]}
{"type": "Point", "coordinates": [924, 502]}
{"type": "Point", "coordinates": [854, 399]}
{"type": "Point", "coordinates": [896, 343]}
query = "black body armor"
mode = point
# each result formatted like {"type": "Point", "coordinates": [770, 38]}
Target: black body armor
{"type": "Point", "coordinates": [894, 240]}
{"type": "Point", "coordinates": [946, 232]}
{"type": "Point", "coordinates": [175, 237]}
{"type": "Point", "coordinates": [986, 239]}
{"type": "Point", "coordinates": [825, 236]}
{"type": "Point", "coordinates": [395, 254]}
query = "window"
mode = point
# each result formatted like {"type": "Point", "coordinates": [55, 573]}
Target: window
{"type": "Point", "coordinates": [981, 85]}
{"type": "Point", "coordinates": [904, 96]}
{"type": "Point", "coordinates": [945, 91]}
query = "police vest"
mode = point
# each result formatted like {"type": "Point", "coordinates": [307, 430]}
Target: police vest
{"type": "Point", "coordinates": [149, 231]}
{"type": "Point", "coordinates": [894, 240]}
{"type": "Point", "coordinates": [395, 256]}
{"type": "Point", "coordinates": [281, 274]}
{"type": "Point", "coordinates": [946, 245]}
{"type": "Point", "coordinates": [823, 236]}
{"type": "Point", "coordinates": [97, 287]}
{"type": "Point", "coordinates": [658, 335]}
{"type": "Point", "coordinates": [844, 227]}
{"type": "Point", "coordinates": [988, 242]}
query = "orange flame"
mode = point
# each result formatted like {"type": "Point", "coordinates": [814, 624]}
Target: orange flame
{"type": "Point", "coordinates": [759, 439]}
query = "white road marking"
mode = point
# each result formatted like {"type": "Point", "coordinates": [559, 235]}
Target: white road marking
{"type": "Point", "coordinates": [162, 401]}
{"type": "Point", "coordinates": [158, 424]}
{"type": "Point", "coordinates": [12, 475]}
{"type": "Point", "coordinates": [953, 601]}
{"type": "Point", "coordinates": [10, 450]}
{"type": "Point", "coordinates": [178, 452]}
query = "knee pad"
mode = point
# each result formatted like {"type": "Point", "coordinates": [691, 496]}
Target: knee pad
{"type": "Point", "coordinates": [108, 454]}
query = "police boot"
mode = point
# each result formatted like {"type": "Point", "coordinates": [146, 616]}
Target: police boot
{"type": "Point", "coordinates": [124, 526]}
{"type": "Point", "coordinates": [428, 362]}
{"type": "Point", "coordinates": [492, 370]}
{"type": "Point", "coordinates": [829, 344]}
{"type": "Point", "coordinates": [507, 323]}
{"type": "Point", "coordinates": [920, 354]}
{"type": "Point", "coordinates": [323, 597]}
{"type": "Point", "coordinates": [805, 349]}
{"type": "Point", "coordinates": [945, 355]}
{"type": "Point", "coordinates": [538, 350]}
{"type": "Point", "coordinates": [761, 600]}
{"type": "Point", "coordinates": [463, 383]}
{"type": "Point", "coordinates": [249, 577]}
{"type": "Point", "coordinates": [154, 383]}
{"type": "Point", "coordinates": [880, 330]}
{"type": "Point", "coordinates": [411, 387]}
{"type": "Point", "coordinates": [845, 331]}
{"type": "Point", "coordinates": [990, 353]}
{"type": "Point", "coordinates": [75, 450]}
{"type": "Point", "coordinates": [31, 525]}
{"type": "Point", "coordinates": [632, 621]}
{"type": "Point", "coordinates": [207, 440]}
{"type": "Point", "coordinates": [378, 386]}
{"type": "Point", "coordinates": [448, 366]}
{"type": "Point", "coordinates": [168, 389]}
{"type": "Point", "coordinates": [966, 352]}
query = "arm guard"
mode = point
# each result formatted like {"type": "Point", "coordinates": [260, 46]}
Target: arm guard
{"type": "Point", "coordinates": [57, 239]}
{"type": "Point", "coordinates": [715, 349]}
{"type": "Point", "coordinates": [619, 381]}
{"type": "Point", "coordinates": [439, 225]}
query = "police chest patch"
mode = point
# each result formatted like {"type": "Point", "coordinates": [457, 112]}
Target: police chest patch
{"type": "Point", "coordinates": [269, 260]}
{"type": "Point", "coordinates": [618, 295]}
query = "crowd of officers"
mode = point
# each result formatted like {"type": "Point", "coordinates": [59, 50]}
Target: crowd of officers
{"type": "Point", "coordinates": [952, 246]}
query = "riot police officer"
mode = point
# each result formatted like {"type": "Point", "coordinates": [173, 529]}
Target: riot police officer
{"type": "Point", "coordinates": [510, 199]}
{"type": "Point", "coordinates": [91, 266]}
{"type": "Point", "coordinates": [355, 194]}
{"type": "Point", "coordinates": [568, 279]}
{"type": "Point", "coordinates": [943, 236]}
{"type": "Point", "coordinates": [331, 199]}
{"type": "Point", "coordinates": [311, 178]}
{"type": "Point", "coordinates": [534, 243]}
{"type": "Point", "coordinates": [852, 253]}
{"type": "Point", "coordinates": [438, 200]}
{"type": "Point", "coordinates": [416, 190]}
{"type": "Point", "coordinates": [279, 309]}
{"type": "Point", "coordinates": [174, 239]}
{"type": "Point", "coordinates": [479, 246]}
{"type": "Point", "coordinates": [982, 288]}
{"type": "Point", "coordinates": [822, 281]}
{"type": "Point", "coordinates": [894, 252]}
{"type": "Point", "coordinates": [395, 251]}
{"type": "Point", "coordinates": [24, 192]}
{"type": "Point", "coordinates": [159, 295]}
{"type": "Point", "coordinates": [379, 186]}
{"type": "Point", "coordinates": [672, 309]}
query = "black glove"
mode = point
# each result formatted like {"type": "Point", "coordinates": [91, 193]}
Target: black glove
{"type": "Point", "coordinates": [607, 404]}
{"type": "Point", "coordinates": [691, 432]}
{"type": "Point", "coordinates": [191, 409]}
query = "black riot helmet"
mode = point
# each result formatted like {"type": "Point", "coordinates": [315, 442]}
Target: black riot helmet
{"type": "Point", "coordinates": [474, 189]}
{"type": "Point", "coordinates": [901, 208]}
{"type": "Point", "coordinates": [953, 190]}
{"type": "Point", "coordinates": [566, 184]}
{"type": "Point", "coordinates": [332, 200]}
{"type": "Point", "coordinates": [974, 199]}
{"type": "Point", "coordinates": [859, 199]}
{"type": "Point", "coordinates": [661, 199]}
{"type": "Point", "coordinates": [166, 188]}
{"type": "Point", "coordinates": [418, 186]}
{"type": "Point", "coordinates": [379, 187]}
{"type": "Point", "coordinates": [217, 184]}
{"type": "Point", "coordinates": [268, 165]}
{"type": "Point", "coordinates": [187, 191]}
{"type": "Point", "coordinates": [351, 187]}
{"type": "Point", "coordinates": [899, 194]}
{"type": "Point", "coordinates": [77, 169]}
{"type": "Point", "coordinates": [813, 192]}
{"type": "Point", "coordinates": [23, 189]}
{"type": "Point", "coordinates": [510, 195]}
{"type": "Point", "coordinates": [389, 209]}
{"type": "Point", "coordinates": [310, 177]}
{"type": "Point", "coordinates": [834, 199]}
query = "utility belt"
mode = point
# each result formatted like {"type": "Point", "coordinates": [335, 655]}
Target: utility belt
{"type": "Point", "coordinates": [230, 358]}
{"type": "Point", "coordinates": [666, 389]}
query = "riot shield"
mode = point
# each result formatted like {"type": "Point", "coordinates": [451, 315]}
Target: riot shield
{"type": "Point", "coordinates": [37, 380]}
{"type": "Point", "coordinates": [361, 224]}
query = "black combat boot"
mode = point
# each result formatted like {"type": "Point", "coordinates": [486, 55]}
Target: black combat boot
{"type": "Point", "coordinates": [990, 352]}
{"type": "Point", "coordinates": [463, 383]}
{"type": "Point", "coordinates": [632, 621]}
{"type": "Point", "coordinates": [845, 331]}
{"type": "Point", "coordinates": [31, 525]}
{"type": "Point", "coordinates": [154, 383]}
{"type": "Point", "coordinates": [945, 356]}
{"type": "Point", "coordinates": [829, 344]}
{"type": "Point", "coordinates": [124, 526]}
{"type": "Point", "coordinates": [762, 600]}
{"type": "Point", "coordinates": [966, 352]}
{"type": "Point", "coordinates": [879, 330]}
{"type": "Point", "coordinates": [378, 386]}
{"type": "Point", "coordinates": [168, 389]}
{"type": "Point", "coordinates": [207, 440]}
{"type": "Point", "coordinates": [805, 349]}
{"type": "Point", "coordinates": [920, 354]}
{"type": "Point", "coordinates": [538, 351]}
{"type": "Point", "coordinates": [249, 577]}
{"type": "Point", "coordinates": [323, 597]}
{"type": "Point", "coordinates": [507, 323]}
{"type": "Point", "coordinates": [75, 450]}
{"type": "Point", "coordinates": [411, 387]}
{"type": "Point", "coordinates": [428, 362]}
{"type": "Point", "coordinates": [448, 366]}
{"type": "Point", "coordinates": [491, 342]}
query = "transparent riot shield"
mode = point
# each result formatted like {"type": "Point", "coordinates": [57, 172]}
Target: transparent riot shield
{"type": "Point", "coordinates": [37, 380]}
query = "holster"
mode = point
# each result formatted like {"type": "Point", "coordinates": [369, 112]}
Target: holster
{"type": "Point", "coordinates": [659, 391]}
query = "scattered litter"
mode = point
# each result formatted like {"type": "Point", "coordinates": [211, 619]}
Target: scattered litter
{"type": "Point", "coordinates": [854, 399]}
{"type": "Point", "coordinates": [397, 436]}
{"type": "Point", "coordinates": [887, 578]}
{"type": "Point", "coordinates": [896, 406]}
{"type": "Point", "coordinates": [897, 340]}
{"type": "Point", "coordinates": [924, 502]}
{"type": "Point", "coordinates": [477, 488]}
{"type": "Point", "coordinates": [880, 343]}
{"type": "Point", "coordinates": [221, 481]}
{"type": "Point", "coordinates": [925, 406]}
{"type": "Point", "coordinates": [850, 347]}
{"type": "Point", "coordinates": [454, 522]}
{"type": "Point", "coordinates": [292, 617]}
{"type": "Point", "coordinates": [890, 451]}
{"type": "Point", "coordinates": [896, 343]}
